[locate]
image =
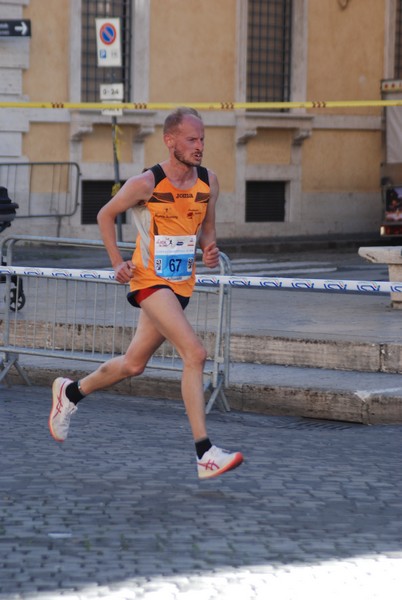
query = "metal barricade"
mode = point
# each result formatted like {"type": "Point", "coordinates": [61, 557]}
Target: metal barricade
{"type": "Point", "coordinates": [8, 212]}
{"type": "Point", "coordinates": [42, 189]}
{"type": "Point", "coordinates": [87, 319]}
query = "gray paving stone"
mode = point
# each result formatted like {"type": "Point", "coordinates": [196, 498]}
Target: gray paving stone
{"type": "Point", "coordinates": [309, 505]}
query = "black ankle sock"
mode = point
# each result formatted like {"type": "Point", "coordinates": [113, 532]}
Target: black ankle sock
{"type": "Point", "coordinates": [202, 446]}
{"type": "Point", "coordinates": [73, 392]}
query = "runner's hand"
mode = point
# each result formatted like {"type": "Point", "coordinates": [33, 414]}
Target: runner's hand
{"type": "Point", "coordinates": [210, 256]}
{"type": "Point", "coordinates": [124, 271]}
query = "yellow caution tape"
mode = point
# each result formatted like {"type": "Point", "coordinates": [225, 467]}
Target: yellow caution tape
{"type": "Point", "coordinates": [115, 188]}
{"type": "Point", "coordinates": [217, 106]}
{"type": "Point", "coordinates": [116, 141]}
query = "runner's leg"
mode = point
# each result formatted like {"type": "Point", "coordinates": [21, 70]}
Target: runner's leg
{"type": "Point", "coordinates": [145, 342]}
{"type": "Point", "coordinates": [165, 313]}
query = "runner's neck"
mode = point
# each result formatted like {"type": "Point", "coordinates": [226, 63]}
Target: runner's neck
{"type": "Point", "coordinates": [181, 178]}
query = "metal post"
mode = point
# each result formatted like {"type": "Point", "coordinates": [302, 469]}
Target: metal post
{"type": "Point", "coordinates": [117, 184]}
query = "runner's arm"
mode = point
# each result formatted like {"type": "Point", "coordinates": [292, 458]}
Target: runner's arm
{"type": "Point", "coordinates": [207, 238]}
{"type": "Point", "coordinates": [135, 190]}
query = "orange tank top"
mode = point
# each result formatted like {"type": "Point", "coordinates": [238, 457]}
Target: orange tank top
{"type": "Point", "coordinates": [168, 225]}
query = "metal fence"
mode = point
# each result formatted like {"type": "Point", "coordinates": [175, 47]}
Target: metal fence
{"type": "Point", "coordinates": [83, 318]}
{"type": "Point", "coordinates": [42, 189]}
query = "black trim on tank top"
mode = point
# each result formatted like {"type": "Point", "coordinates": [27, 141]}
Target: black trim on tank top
{"type": "Point", "coordinates": [159, 174]}
{"type": "Point", "coordinates": [202, 173]}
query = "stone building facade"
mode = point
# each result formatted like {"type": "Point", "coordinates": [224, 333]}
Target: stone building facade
{"type": "Point", "coordinates": [292, 172]}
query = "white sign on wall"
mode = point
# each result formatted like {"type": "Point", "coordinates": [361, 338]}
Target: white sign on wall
{"type": "Point", "coordinates": [108, 42]}
{"type": "Point", "coordinates": [112, 92]}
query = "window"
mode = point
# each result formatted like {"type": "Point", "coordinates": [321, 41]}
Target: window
{"type": "Point", "coordinates": [92, 75]}
{"type": "Point", "coordinates": [95, 194]}
{"type": "Point", "coordinates": [268, 50]}
{"type": "Point", "coordinates": [265, 201]}
{"type": "Point", "coordinates": [398, 41]}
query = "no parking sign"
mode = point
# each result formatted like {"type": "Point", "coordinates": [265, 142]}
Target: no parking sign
{"type": "Point", "coordinates": [108, 42]}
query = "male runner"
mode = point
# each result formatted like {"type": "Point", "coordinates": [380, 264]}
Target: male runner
{"type": "Point", "coordinates": [174, 208]}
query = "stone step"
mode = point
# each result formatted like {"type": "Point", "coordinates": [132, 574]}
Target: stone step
{"type": "Point", "coordinates": [338, 396]}
{"type": "Point", "coordinates": [309, 352]}
{"type": "Point", "coordinates": [340, 354]}
{"type": "Point", "coordinates": [368, 398]}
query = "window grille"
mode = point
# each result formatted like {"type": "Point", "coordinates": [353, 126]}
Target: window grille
{"type": "Point", "coordinates": [93, 76]}
{"type": "Point", "coordinates": [398, 41]}
{"type": "Point", "coordinates": [95, 194]}
{"type": "Point", "coordinates": [269, 50]}
{"type": "Point", "coordinates": [265, 201]}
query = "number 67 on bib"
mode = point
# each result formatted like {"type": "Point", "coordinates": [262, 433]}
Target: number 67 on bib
{"type": "Point", "coordinates": [174, 256]}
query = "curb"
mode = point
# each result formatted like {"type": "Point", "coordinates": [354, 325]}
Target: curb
{"type": "Point", "coordinates": [244, 246]}
{"type": "Point", "coordinates": [311, 402]}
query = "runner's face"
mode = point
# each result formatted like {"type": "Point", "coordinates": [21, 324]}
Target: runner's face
{"type": "Point", "coordinates": [188, 142]}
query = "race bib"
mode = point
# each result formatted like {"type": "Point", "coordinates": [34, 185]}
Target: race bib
{"type": "Point", "coordinates": [174, 256]}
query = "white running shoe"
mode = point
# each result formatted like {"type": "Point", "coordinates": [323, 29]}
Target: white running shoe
{"type": "Point", "coordinates": [217, 461]}
{"type": "Point", "coordinates": [62, 409]}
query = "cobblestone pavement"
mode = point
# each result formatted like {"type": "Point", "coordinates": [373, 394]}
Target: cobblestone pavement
{"type": "Point", "coordinates": [117, 511]}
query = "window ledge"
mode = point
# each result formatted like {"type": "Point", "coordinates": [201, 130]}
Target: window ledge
{"type": "Point", "coordinates": [247, 124]}
{"type": "Point", "coordinates": [83, 121]}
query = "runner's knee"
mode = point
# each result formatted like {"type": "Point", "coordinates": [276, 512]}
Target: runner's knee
{"type": "Point", "coordinates": [132, 369]}
{"type": "Point", "coordinates": [126, 368]}
{"type": "Point", "coordinates": [195, 356]}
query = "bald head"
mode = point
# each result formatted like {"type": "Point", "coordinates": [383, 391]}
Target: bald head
{"type": "Point", "coordinates": [176, 118]}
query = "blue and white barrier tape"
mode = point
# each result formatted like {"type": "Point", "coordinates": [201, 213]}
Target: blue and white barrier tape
{"type": "Point", "coordinates": [332, 285]}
